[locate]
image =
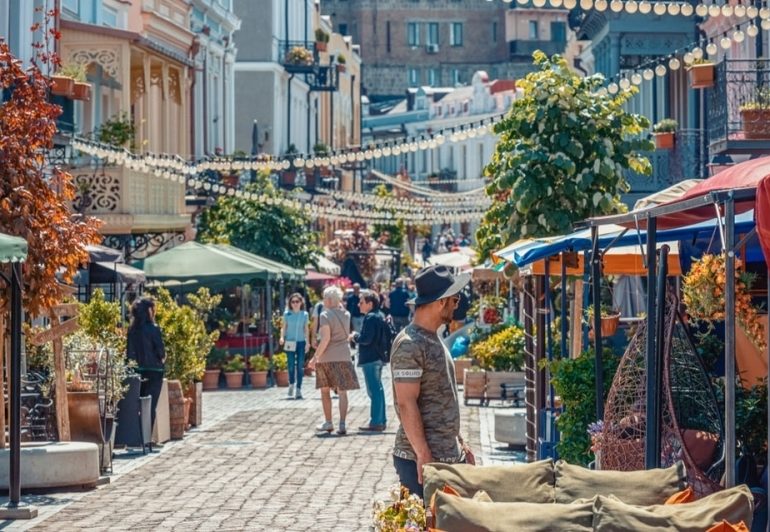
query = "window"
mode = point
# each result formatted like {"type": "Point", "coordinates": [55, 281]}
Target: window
{"type": "Point", "coordinates": [343, 29]}
{"type": "Point", "coordinates": [434, 77]}
{"type": "Point", "coordinates": [456, 33]}
{"type": "Point", "coordinates": [412, 34]}
{"type": "Point", "coordinates": [432, 37]}
{"type": "Point", "coordinates": [558, 32]}
{"type": "Point", "coordinates": [71, 5]}
{"type": "Point", "coordinates": [456, 79]}
{"type": "Point", "coordinates": [109, 16]}
{"type": "Point", "coordinates": [494, 32]}
{"type": "Point", "coordinates": [533, 33]}
{"type": "Point", "coordinates": [414, 77]}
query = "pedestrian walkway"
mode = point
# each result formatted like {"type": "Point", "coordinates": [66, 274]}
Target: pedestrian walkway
{"type": "Point", "coordinates": [255, 464]}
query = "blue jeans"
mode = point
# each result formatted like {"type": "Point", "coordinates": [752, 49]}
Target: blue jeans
{"type": "Point", "coordinates": [375, 391]}
{"type": "Point", "coordinates": [297, 363]}
{"type": "Point", "coordinates": [407, 475]}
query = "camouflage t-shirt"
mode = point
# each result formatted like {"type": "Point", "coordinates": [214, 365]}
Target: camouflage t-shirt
{"type": "Point", "coordinates": [419, 356]}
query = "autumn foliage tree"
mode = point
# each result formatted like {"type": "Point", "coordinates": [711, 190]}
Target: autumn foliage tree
{"type": "Point", "coordinates": [35, 199]}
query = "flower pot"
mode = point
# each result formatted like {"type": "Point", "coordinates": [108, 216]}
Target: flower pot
{"type": "Point", "coordinates": [258, 379]}
{"type": "Point", "coordinates": [460, 367]}
{"type": "Point", "coordinates": [610, 325]}
{"type": "Point", "coordinates": [321, 46]}
{"type": "Point", "coordinates": [475, 383]}
{"type": "Point", "coordinates": [234, 379]}
{"type": "Point", "coordinates": [756, 123]}
{"type": "Point", "coordinates": [82, 91]}
{"type": "Point", "coordinates": [701, 76]}
{"type": "Point", "coordinates": [664, 141]}
{"type": "Point", "coordinates": [194, 393]}
{"type": "Point", "coordinates": [176, 410]}
{"type": "Point", "coordinates": [211, 379]}
{"type": "Point", "coordinates": [341, 68]}
{"type": "Point", "coordinates": [62, 86]}
{"type": "Point", "coordinates": [282, 378]}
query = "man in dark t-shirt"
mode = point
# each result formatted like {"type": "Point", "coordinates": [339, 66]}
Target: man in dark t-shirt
{"type": "Point", "coordinates": [398, 309]}
{"type": "Point", "coordinates": [351, 304]}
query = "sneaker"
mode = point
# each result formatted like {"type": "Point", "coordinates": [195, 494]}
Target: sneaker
{"type": "Point", "coordinates": [298, 394]}
{"type": "Point", "coordinates": [341, 429]}
{"type": "Point", "coordinates": [291, 391]}
{"type": "Point", "coordinates": [326, 427]}
{"type": "Point", "coordinates": [372, 428]}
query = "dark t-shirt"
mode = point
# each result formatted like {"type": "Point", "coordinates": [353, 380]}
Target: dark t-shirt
{"type": "Point", "coordinates": [351, 304]}
{"type": "Point", "coordinates": [398, 299]}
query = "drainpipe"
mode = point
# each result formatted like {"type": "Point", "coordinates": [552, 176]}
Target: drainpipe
{"type": "Point", "coordinates": [205, 102]}
{"type": "Point", "coordinates": [309, 93]}
{"type": "Point", "coordinates": [288, 113]}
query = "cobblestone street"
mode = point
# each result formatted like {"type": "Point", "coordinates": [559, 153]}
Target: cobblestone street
{"type": "Point", "coordinates": [255, 464]}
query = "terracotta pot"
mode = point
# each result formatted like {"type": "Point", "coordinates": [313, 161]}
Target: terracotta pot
{"type": "Point", "coordinates": [211, 379]}
{"type": "Point", "coordinates": [194, 393]}
{"type": "Point", "coordinates": [187, 409]}
{"type": "Point", "coordinates": [701, 76]}
{"type": "Point", "coordinates": [610, 325]}
{"type": "Point", "coordinates": [756, 123]}
{"type": "Point", "coordinates": [664, 141]}
{"type": "Point", "coordinates": [62, 86]}
{"type": "Point", "coordinates": [258, 379]}
{"type": "Point", "coordinates": [460, 367]}
{"type": "Point", "coordinates": [475, 383]}
{"type": "Point", "coordinates": [282, 378]}
{"type": "Point", "coordinates": [234, 379]}
{"type": "Point", "coordinates": [176, 410]}
{"type": "Point", "coordinates": [82, 91]}
{"type": "Point", "coordinates": [321, 46]}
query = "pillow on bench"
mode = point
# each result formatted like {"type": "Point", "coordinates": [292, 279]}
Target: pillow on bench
{"type": "Point", "coordinates": [642, 488]}
{"type": "Point", "coordinates": [514, 483]}
{"type": "Point", "coordinates": [732, 505]}
{"type": "Point", "coordinates": [458, 514]}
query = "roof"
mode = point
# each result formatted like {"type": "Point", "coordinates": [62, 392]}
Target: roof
{"type": "Point", "coordinates": [12, 248]}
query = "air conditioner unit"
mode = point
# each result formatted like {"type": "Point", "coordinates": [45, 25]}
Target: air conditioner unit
{"type": "Point", "coordinates": [432, 48]}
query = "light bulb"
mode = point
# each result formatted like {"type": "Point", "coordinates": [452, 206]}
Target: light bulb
{"type": "Point", "coordinates": [440, 139]}
{"type": "Point", "coordinates": [298, 162]}
{"type": "Point", "coordinates": [616, 6]}
{"type": "Point", "coordinates": [612, 88]}
{"type": "Point", "coordinates": [632, 7]}
{"type": "Point", "coordinates": [645, 7]}
{"type": "Point", "coordinates": [538, 3]}
{"type": "Point", "coordinates": [697, 53]}
{"type": "Point", "coordinates": [764, 13]}
{"type": "Point", "coordinates": [725, 43]}
{"type": "Point", "coordinates": [586, 4]}
{"type": "Point", "coordinates": [752, 30]}
{"type": "Point", "coordinates": [556, 3]}
{"type": "Point", "coordinates": [570, 4]}
{"type": "Point", "coordinates": [350, 157]}
{"type": "Point", "coordinates": [739, 10]}
{"type": "Point", "coordinates": [636, 78]}
{"type": "Point", "coordinates": [765, 24]}
{"type": "Point", "coordinates": [396, 151]}
{"type": "Point", "coordinates": [674, 64]}
{"type": "Point", "coordinates": [752, 11]}
{"type": "Point", "coordinates": [602, 91]}
{"type": "Point", "coordinates": [714, 10]}
{"type": "Point", "coordinates": [386, 151]}
{"type": "Point", "coordinates": [659, 8]}
{"type": "Point", "coordinates": [648, 74]}
{"type": "Point", "coordinates": [673, 9]}
{"type": "Point", "coordinates": [687, 10]}
{"type": "Point", "coordinates": [624, 84]}
{"type": "Point", "coordinates": [378, 153]}
{"type": "Point", "coordinates": [688, 58]}
{"type": "Point", "coordinates": [701, 10]}
{"type": "Point", "coordinates": [600, 5]}
{"type": "Point", "coordinates": [739, 36]}
{"type": "Point", "coordinates": [711, 49]}
{"type": "Point", "coordinates": [660, 70]}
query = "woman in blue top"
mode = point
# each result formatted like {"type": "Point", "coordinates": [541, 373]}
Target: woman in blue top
{"type": "Point", "coordinates": [294, 339]}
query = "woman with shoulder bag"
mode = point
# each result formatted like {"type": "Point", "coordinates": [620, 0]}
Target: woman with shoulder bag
{"type": "Point", "coordinates": [332, 359]}
{"type": "Point", "coordinates": [294, 339]}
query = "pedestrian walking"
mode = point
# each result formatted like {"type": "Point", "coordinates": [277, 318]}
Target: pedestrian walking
{"type": "Point", "coordinates": [399, 311]}
{"type": "Point", "coordinates": [370, 359]}
{"type": "Point", "coordinates": [332, 363]}
{"type": "Point", "coordinates": [144, 345]}
{"type": "Point", "coordinates": [424, 386]}
{"type": "Point", "coordinates": [351, 303]}
{"type": "Point", "coordinates": [295, 339]}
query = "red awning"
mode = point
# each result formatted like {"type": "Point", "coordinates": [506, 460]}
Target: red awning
{"type": "Point", "coordinates": [318, 276]}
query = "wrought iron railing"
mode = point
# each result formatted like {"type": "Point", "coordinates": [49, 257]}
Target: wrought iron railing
{"type": "Point", "coordinates": [740, 86]}
{"type": "Point", "coordinates": [299, 56]}
{"type": "Point", "coordinates": [687, 160]}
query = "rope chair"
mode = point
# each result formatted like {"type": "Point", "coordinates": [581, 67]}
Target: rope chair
{"type": "Point", "coordinates": [691, 424]}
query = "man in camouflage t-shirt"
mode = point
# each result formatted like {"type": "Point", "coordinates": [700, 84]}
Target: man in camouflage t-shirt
{"type": "Point", "coordinates": [424, 385]}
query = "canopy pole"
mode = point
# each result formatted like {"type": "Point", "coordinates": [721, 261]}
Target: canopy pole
{"type": "Point", "coordinates": [653, 423]}
{"type": "Point", "coordinates": [596, 289]}
{"type": "Point", "coordinates": [729, 238]}
{"type": "Point", "coordinates": [269, 312]}
{"type": "Point", "coordinates": [14, 488]}
{"type": "Point", "coordinates": [651, 455]}
{"type": "Point", "coordinates": [563, 346]}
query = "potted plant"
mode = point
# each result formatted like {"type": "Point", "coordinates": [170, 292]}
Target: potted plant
{"type": "Point", "coordinates": [300, 56]}
{"type": "Point", "coordinates": [234, 372]}
{"type": "Point", "coordinates": [501, 354]}
{"type": "Point", "coordinates": [701, 74]}
{"type": "Point", "coordinates": [321, 40]}
{"type": "Point", "coordinates": [260, 365]}
{"type": "Point", "coordinates": [214, 361]}
{"type": "Point", "coordinates": [664, 132]}
{"type": "Point", "coordinates": [341, 62]}
{"type": "Point", "coordinates": [281, 368]}
{"type": "Point", "coordinates": [117, 130]}
{"type": "Point", "coordinates": [81, 89]}
{"type": "Point", "coordinates": [755, 115]}
{"type": "Point", "coordinates": [610, 319]}
{"type": "Point", "coordinates": [63, 82]}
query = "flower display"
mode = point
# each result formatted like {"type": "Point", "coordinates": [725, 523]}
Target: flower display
{"type": "Point", "coordinates": [704, 295]}
{"type": "Point", "coordinates": [402, 512]}
{"type": "Point", "coordinates": [501, 351]}
{"type": "Point", "coordinates": [299, 55]}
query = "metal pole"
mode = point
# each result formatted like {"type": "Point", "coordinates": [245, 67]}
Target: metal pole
{"type": "Point", "coordinates": [563, 346]}
{"type": "Point", "coordinates": [15, 386]}
{"type": "Point", "coordinates": [730, 343]}
{"type": "Point", "coordinates": [596, 290]}
{"type": "Point", "coordinates": [288, 113]}
{"type": "Point", "coordinates": [653, 425]}
{"type": "Point", "coordinates": [269, 312]}
{"type": "Point", "coordinates": [651, 457]}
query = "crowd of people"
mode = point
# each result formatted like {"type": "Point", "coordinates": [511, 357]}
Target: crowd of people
{"type": "Point", "coordinates": [444, 242]}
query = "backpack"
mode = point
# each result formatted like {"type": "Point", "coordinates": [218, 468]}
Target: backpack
{"type": "Point", "coordinates": [387, 335]}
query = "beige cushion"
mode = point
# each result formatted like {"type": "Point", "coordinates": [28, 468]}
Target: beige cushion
{"type": "Point", "coordinates": [733, 505]}
{"type": "Point", "coordinates": [457, 514]}
{"type": "Point", "coordinates": [514, 483]}
{"type": "Point", "coordinates": [653, 486]}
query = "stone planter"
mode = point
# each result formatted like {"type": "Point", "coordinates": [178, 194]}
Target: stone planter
{"type": "Point", "coordinates": [664, 141]}
{"type": "Point", "coordinates": [460, 366]}
{"type": "Point", "coordinates": [211, 379]}
{"type": "Point", "coordinates": [756, 123]}
{"type": "Point", "coordinates": [234, 379]}
{"type": "Point", "coordinates": [474, 385]}
{"type": "Point", "coordinates": [176, 409]}
{"type": "Point", "coordinates": [195, 394]}
{"type": "Point", "coordinates": [496, 378]}
{"type": "Point", "coordinates": [258, 379]}
{"type": "Point", "coordinates": [282, 378]}
{"type": "Point", "coordinates": [701, 76]}
{"type": "Point", "coordinates": [82, 91]}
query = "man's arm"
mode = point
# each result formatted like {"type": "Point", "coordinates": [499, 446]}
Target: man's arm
{"type": "Point", "coordinates": [406, 397]}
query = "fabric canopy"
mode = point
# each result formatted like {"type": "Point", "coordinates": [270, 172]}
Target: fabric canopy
{"type": "Point", "coordinates": [460, 260]}
{"type": "Point", "coordinates": [672, 193]}
{"type": "Point", "coordinates": [115, 272]}
{"type": "Point", "coordinates": [283, 270]}
{"type": "Point", "coordinates": [312, 275]}
{"type": "Point", "coordinates": [193, 263]}
{"type": "Point", "coordinates": [326, 266]}
{"type": "Point", "coordinates": [12, 248]}
{"type": "Point", "coordinates": [104, 254]}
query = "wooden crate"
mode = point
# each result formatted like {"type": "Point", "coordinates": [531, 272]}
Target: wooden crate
{"type": "Point", "coordinates": [474, 385]}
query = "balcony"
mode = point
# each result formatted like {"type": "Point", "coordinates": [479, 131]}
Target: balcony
{"type": "Point", "coordinates": [302, 57]}
{"type": "Point", "coordinates": [738, 107]}
{"type": "Point", "coordinates": [524, 49]}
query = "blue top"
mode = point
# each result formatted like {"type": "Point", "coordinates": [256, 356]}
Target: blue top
{"type": "Point", "coordinates": [295, 325]}
{"type": "Point", "coordinates": [398, 299]}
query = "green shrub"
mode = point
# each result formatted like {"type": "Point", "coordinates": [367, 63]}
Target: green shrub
{"type": "Point", "coordinates": [260, 363]}
{"type": "Point", "coordinates": [235, 365]}
{"type": "Point", "coordinates": [501, 351]}
{"type": "Point", "coordinates": [280, 362]}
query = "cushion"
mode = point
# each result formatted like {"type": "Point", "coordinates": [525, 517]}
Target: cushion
{"type": "Point", "coordinates": [511, 483]}
{"type": "Point", "coordinates": [456, 514]}
{"type": "Point", "coordinates": [653, 486]}
{"type": "Point", "coordinates": [701, 446]}
{"type": "Point", "coordinates": [480, 495]}
{"type": "Point", "coordinates": [733, 505]}
{"type": "Point", "coordinates": [680, 497]}
{"type": "Point", "coordinates": [724, 526]}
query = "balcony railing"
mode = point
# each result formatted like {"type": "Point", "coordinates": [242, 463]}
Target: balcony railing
{"type": "Point", "coordinates": [738, 107]}
{"type": "Point", "coordinates": [302, 57]}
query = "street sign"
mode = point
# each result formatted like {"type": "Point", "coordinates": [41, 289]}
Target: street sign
{"type": "Point", "coordinates": [55, 332]}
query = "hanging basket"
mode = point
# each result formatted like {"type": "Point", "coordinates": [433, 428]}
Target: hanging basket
{"type": "Point", "coordinates": [610, 325]}
{"type": "Point", "coordinates": [701, 76]}
{"type": "Point", "coordinates": [664, 141]}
